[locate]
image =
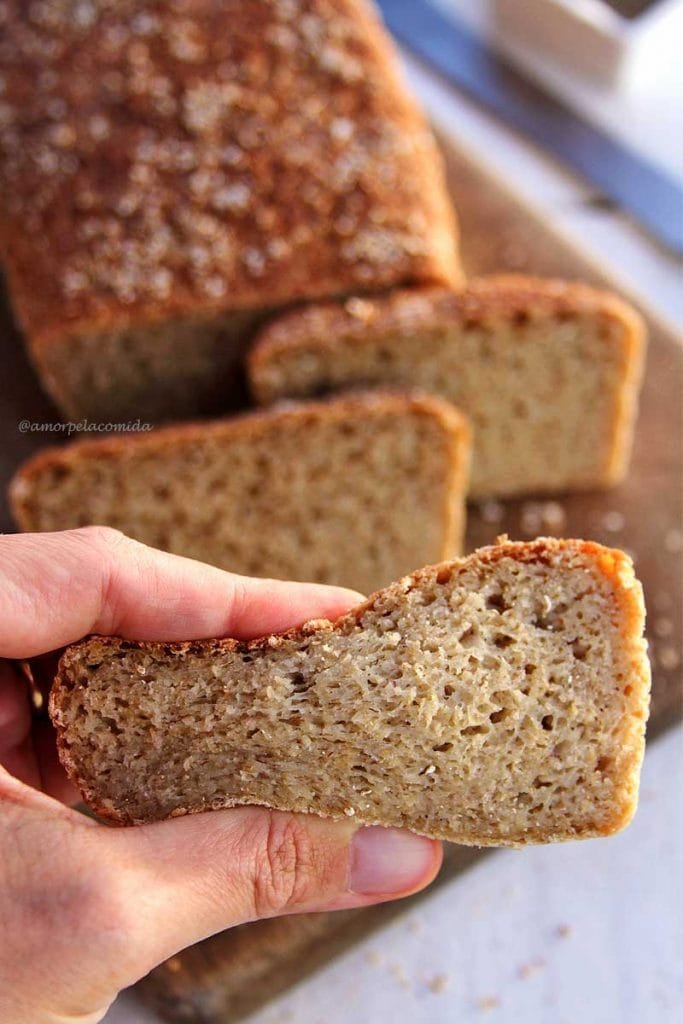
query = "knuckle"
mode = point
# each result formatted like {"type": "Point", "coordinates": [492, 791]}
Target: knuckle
{"type": "Point", "coordinates": [287, 867]}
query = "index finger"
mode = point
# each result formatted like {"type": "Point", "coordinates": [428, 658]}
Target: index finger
{"type": "Point", "coordinates": [57, 587]}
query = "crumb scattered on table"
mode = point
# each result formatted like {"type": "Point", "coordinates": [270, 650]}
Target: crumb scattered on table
{"type": "Point", "coordinates": [531, 967]}
{"type": "Point", "coordinates": [438, 983]}
{"type": "Point", "coordinates": [399, 975]}
{"type": "Point", "coordinates": [488, 1003]}
{"type": "Point", "coordinates": [563, 931]}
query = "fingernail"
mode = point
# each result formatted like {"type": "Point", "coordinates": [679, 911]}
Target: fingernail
{"type": "Point", "coordinates": [386, 861]}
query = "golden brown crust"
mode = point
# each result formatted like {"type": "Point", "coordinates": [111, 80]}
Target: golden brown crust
{"type": "Point", "coordinates": [358, 320]}
{"type": "Point", "coordinates": [339, 408]}
{"type": "Point", "coordinates": [613, 564]}
{"type": "Point", "coordinates": [156, 166]}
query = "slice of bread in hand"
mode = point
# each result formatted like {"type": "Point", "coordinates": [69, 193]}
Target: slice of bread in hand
{"type": "Point", "coordinates": [355, 491]}
{"type": "Point", "coordinates": [547, 371]}
{"type": "Point", "coordinates": [499, 699]}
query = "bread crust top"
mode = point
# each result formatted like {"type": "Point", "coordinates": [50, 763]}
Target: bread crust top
{"type": "Point", "coordinates": [359, 319]}
{"type": "Point", "coordinates": [163, 159]}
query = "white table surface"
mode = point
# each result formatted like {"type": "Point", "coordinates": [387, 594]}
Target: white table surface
{"type": "Point", "coordinates": [582, 933]}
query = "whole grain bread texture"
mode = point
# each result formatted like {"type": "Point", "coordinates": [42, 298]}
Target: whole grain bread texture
{"type": "Point", "coordinates": [498, 699]}
{"type": "Point", "coordinates": [170, 172]}
{"type": "Point", "coordinates": [547, 371]}
{"type": "Point", "coordinates": [353, 491]}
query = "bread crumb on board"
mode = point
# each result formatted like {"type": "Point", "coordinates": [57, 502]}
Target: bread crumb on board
{"type": "Point", "coordinates": [673, 541]}
{"type": "Point", "coordinates": [491, 511]}
{"type": "Point", "coordinates": [539, 517]}
{"type": "Point", "coordinates": [613, 522]}
{"type": "Point", "coordinates": [668, 658]}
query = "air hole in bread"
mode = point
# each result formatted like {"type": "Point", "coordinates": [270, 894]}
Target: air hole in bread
{"type": "Point", "coordinates": [580, 650]}
{"type": "Point", "coordinates": [469, 637]}
{"type": "Point", "coordinates": [473, 730]}
{"type": "Point", "coordinates": [502, 640]}
{"type": "Point", "coordinates": [498, 602]}
{"type": "Point", "coordinates": [299, 682]}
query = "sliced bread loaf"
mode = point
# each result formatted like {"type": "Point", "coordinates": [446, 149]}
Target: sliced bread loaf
{"type": "Point", "coordinates": [170, 172]}
{"type": "Point", "coordinates": [548, 372]}
{"type": "Point", "coordinates": [495, 700]}
{"type": "Point", "coordinates": [354, 491]}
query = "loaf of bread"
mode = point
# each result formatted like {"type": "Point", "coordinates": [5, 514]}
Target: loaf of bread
{"type": "Point", "coordinates": [499, 699]}
{"type": "Point", "coordinates": [355, 491]}
{"type": "Point", "coordinates": [168, 172]}
{"type": "Point", "coordinates": [548, 372]}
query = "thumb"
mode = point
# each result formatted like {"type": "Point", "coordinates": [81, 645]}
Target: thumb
{"type": "Point", "coordinates": [88, 910]}
{"type": "Point", "coordinates": [198, 875]}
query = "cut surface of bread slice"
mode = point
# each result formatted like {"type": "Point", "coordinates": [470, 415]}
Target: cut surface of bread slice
{"type": "Point", "coordinates": [498, 699]}
{"type": "Point", "coordinates": [354, 491]}
{"type": "Point", "coordinates": [547, 371]}
{"type": "Point", "coordinates": [171, 369]}
{"type": "Point", "coordinates": [168, 173]}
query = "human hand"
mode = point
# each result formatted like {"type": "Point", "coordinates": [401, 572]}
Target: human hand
{"type": "Point", "coordinates": [86, 910]}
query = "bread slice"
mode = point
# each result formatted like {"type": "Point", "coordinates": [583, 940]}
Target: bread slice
{"type": "Point", "coordinates": [499, 699]}
{"type": "Point", "coordinates": [355, 491]}
{"type": "Point", "coordinates": [547, 371]}
{"type": "Point", "coordinates": [169, 173]}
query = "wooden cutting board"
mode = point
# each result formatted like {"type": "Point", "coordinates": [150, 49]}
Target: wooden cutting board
{"type": "Point", "coordinates": [230, 975]}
